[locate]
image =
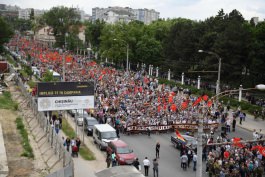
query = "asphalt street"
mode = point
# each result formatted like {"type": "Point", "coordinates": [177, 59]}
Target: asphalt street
{"type": "Point", "coordinates": [169, 161]}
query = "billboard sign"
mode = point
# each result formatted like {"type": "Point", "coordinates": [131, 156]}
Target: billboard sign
{"type": "Point", "coordinates": [65, 95]}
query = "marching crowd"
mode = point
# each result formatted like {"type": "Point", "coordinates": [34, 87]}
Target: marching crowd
{"type": "Point", "coordinates": [134, 98]}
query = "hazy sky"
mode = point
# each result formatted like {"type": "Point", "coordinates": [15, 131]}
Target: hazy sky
{"type": "Point", "coordinates": [191, 9]}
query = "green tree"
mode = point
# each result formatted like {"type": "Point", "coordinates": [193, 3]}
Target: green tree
{"type": "Point", "coordinates": [93, 32]}
{"type": "Point", "coordinates": [61, 19]}
{"type": "Point", "coordinates": [5, 33]}
{"type": "Point", "coordinates": [181, 44]}
{"type": "Point", "coordinates": [48, 77]}
{"type": "Point", "coordinates": [31, 15]}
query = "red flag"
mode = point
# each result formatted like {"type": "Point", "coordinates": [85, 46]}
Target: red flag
{"type": "Point", "coordinates": [135, 89]}
{"type": "Point", "coordinates": [209, 103]}
{"type": "Point", "coordinates": [236, 142]}
{"type": "Point", "coordinates": [226, 154]}
{"type": "Point", "coordinates": [158, 108]}
{"type": "Point", "coordinates": [262, 151]}
{"type": "Point", "coordinates": [173, 108]}
{"type": "Point", "coordinates": [170, 99]}
{"type": "Point", "coordinates": [68, 59]}
{"type": "Point", "coordinates": [100, 78]}
{"type": "Point", "coordinates": [165, 106]}
{"type": "Point", "coordinates": [164, 100]}
{"type": "Point", "coordinates": [158, 99]}
{"type": "Point", "coordinates": [184, 105]}
{"type": "Point", "coordinates": [141, 89]}
{"type": "Point", "coordinates": [205, 97]}
{"type": "Point", "coordinates": [258, 147]}
{"type": "Point", "coordinates": [197, 101]}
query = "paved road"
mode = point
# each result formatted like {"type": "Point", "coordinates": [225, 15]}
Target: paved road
{"type": "Point", "coordinates": [169, 162]}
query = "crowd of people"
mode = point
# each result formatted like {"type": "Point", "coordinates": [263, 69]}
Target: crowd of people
{"type": "Point", "coordinates": [126, 99]}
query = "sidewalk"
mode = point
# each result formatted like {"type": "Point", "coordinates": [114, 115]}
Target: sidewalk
{"type": "Point", "coordinates": [84, 168]}
{"type": "Point", "coordinates": [250, 123]}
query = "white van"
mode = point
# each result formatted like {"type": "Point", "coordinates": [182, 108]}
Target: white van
{"type": "Point", "coordinates": [103, 134]}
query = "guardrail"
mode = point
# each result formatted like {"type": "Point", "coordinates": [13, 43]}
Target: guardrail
{"type": "Point", "coordinates": [53, 139]}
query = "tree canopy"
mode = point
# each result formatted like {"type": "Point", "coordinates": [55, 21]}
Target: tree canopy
{"type": "Point", "coordinates": [174, 44]}
{"type": "Point", "coordinates": [6, 33]}
{"type": "Point", "coordinates": [63, 20]}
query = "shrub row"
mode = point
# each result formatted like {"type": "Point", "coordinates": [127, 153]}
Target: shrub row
{"type": "Point", "coordinates": [243, 104]}
{"type": "Point", "coordinates": [28, 152]}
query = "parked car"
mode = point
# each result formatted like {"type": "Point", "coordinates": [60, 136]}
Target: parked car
{"type": "Point", "coordinates": [78, 112]}
{"type": "Point", "coordinates": [124, 154]}
{"type": "Point", "coordinates": [79, 120]}
{"type": "Point", "coordinates": [89, 124]}
{"type": "Point", "coordinates": [188, 141]}
{"type": "Point", "coordinates": [103, 134]}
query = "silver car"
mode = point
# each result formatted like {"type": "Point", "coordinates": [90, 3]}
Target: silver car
{"type": "Point", "coordinates": [79, 120]}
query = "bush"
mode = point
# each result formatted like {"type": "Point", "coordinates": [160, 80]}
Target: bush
{"type": "Point", "coordinates": [28, 152]}
{"type": "Point", "coordinates": [6, 101]}
{"type": "Point", "coordinates": [244, 105]}
{"type": "Point", "coordinates": [32, 84]}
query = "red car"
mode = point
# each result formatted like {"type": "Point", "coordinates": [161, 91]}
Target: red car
{"type": "Point", "coordinates": [124, 154]}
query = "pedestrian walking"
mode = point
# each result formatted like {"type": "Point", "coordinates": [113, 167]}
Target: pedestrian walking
{"type": "Point", "coordinates": [194, 159]}
{"type": "Point", "coordinates": [108, 160]}
{"type": "Point", "coordinates": [190, 155]}
{"type": "Point", "coordinates": [146, 163]}
{"type": "Point", "coordinates": [57, 126]}
{"type": "Point", "coordinates": [155, 167]}
{"type": "Point", "coordinates": [113, 159]}
{"type": "Point", "coordinates": [67, 143]}
{"type": "Point", "coordinates": [157, 149]}
{"type": "Point", "coordinates": [234, 124]}
{"type": "Point", "coordinates": [241, 115]}
{"type": "Point", "coordinates": [136, 164]}
{"type": "Point", "coordinates": [78, 143]}
{"type": "Point", "coordinates": [184, 161]}
{"type": "Point", "coordinates": [148, 131]}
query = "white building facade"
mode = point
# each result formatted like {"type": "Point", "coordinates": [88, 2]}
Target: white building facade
{"type": "Point", "coordinates": [124, 14]}
{"type": "Point", "coordinates": [24, 14]}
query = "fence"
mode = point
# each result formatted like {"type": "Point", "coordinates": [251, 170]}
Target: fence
{"type": "Point", "coordinates": [52, 138]}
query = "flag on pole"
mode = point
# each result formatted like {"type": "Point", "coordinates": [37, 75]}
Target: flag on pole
{"type": "Point", "coordinates": [179, 136]}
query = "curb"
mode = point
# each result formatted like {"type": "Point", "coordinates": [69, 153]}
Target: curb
{"type": "Point", "coordinates": [4, 164]}
{"type": "Point", "coordinates": [245, 128]}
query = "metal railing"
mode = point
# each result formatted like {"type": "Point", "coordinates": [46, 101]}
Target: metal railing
{"type": "Point", "coordinates": [53, 139]}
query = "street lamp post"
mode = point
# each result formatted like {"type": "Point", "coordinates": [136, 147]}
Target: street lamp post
{"type": "Point", "coordinates": [219, 69]}
{"type": "Point", "coordinates": [88, 50]}
{"type": "Point", "coordinates": [182, 79]}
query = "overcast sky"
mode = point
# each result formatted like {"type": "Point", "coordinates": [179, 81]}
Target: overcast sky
{"type": "Point", "coordinates": [191, 9]}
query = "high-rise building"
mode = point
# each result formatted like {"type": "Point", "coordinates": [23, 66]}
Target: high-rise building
{"type": "Point", "coordinates": [124, 14]}
{"type": "Point", "coordinates": [146, 15]}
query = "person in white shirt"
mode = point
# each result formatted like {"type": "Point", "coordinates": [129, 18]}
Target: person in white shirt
{"type": "Point", "coordinates": [146, 163]}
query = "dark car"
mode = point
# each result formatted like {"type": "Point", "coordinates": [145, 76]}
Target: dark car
{"type": "Point", "coordinates": [124, 154]}
{"type": "Point", "coordinates": [188, 141]}
{"type": "Point", "coordinates": [89, 124]}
